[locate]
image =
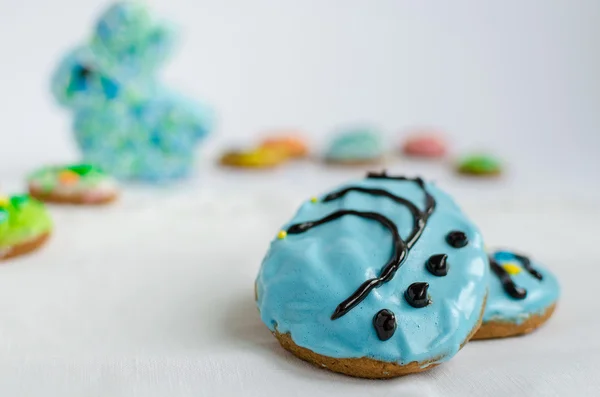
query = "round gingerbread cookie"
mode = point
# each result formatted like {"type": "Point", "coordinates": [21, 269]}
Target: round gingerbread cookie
{"type": "Point", "coordinates": [290, 144]}
{"type": "Point", "coordinates": [425, 144]}
{"type": "Point", "coordinates": [73, 184]}
{"type": "Point", "coordinates": [356, 147]}
{"type": "Point", "coordinates": [480, 165]}
{"type": "Point", "coordinates": [258, 158]}
{"type": "Point", "coordinates": [522, 296]}
{"type": "Point", "coordinates": [381, 277]}
{"type": "Point", "coordinates": [25, 225]}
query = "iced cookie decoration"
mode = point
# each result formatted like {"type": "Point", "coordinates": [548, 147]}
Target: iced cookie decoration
{"type": "Point", "coordinates": [262, 157]}
{"type": "Point", "coordinates": [25, 225]}
{"type": "Point", "coordinates": [426, 144]}
{"type": "Point", "coordinates": [290, 144]}
{"type": "Point", "coordinates": [355, 147]}
{"type": "Point", "coordinates": [73, 184]}
{"type": "Point", "coordinates": [480, 165]}
{"type": "Point", "coordinates": [522, 296]}
{"type": "Point", "coordinates": [381, 277]}
{"type": "Point", "coordinates": [126, 121]}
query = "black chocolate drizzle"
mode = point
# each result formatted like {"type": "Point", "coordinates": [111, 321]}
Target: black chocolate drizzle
{"type": "Point", "coordinates": [429, 200]}
{"type": "Point", "coordinates": [507, 283]}
{"type": "Point", "coordinates": [388, 271]}
{"type": "Point", "coordinates": [418, 225]}
{"type": "Point", "coordinates": [527, 265]}
{"type": "Point", "coordinates": [401, 247]}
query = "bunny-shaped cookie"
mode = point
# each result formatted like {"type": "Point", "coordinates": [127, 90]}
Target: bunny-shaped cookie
{"type": "Point", "coordinates": [126, 122]}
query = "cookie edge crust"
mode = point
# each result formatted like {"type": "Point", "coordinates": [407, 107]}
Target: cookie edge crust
{"type": "Point", "coordinates": [355, 162]}
{"type": "Point", "coordinates": [479, 174]}
{"type": "Point", "coordinates": [26, 247]}
{"type": "Point", "coordinates": [505, 329]}
{"type": "Point", "coordinates": [76, 199]}
{"type": "Point", "coordinates": [365, 367]}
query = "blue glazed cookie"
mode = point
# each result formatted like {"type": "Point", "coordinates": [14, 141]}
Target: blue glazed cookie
{"type": "Point", "coordinates": [355, 147]}
{"type": "Point", "coordinates": [522, 296]}
{"type": "Point", "coordinates": [378, 278]}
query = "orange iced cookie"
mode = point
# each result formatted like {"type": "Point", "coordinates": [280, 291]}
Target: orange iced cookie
{"type": "Point", "coordinates": [292, 146]}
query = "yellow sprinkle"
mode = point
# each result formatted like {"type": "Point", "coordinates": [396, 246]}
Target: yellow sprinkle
{"type": "Point", "coordinates": [314, 199]}
{"type": "Point", "coordinates": [512, 268]}
{"type": "Point", "coordinates": [282, 234]}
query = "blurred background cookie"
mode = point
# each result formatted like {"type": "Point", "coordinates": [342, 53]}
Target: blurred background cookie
{"type": "Point", "coordinates": [73, 184]}
{"type": "Point", "coordinates": [289, 143]}
{"type": "Point", "coordinates": [356, 146]}
{"type": "Point", "coordinates": [25, 225]}
{"type": "Point", "coordinates": [256, 158]}
{"type": "Point", "coordinates": [126, 120]}
{"type": "Point", "coordinates": [426, 144]}
{"type": "Point", "coordinates": [482, 165]}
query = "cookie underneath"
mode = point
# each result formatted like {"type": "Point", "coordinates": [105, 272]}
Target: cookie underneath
{"type": "Point", "coordinates": [75, 199]}
{"type": "Point", "coordinates": [25, 247]}
{"type": "Point", "coordinates": [504, 329]}
{"type": "Point", "coordinates": [364, 367]}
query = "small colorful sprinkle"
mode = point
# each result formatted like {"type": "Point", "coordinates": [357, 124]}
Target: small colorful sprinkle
{"type": "Point", "coordinates": [512, 268]}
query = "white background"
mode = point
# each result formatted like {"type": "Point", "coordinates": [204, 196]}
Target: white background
{"type": "Point", "coordinates": [126, 301]}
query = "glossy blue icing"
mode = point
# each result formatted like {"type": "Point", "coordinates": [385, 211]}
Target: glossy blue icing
{"type": "Point", "coordinates": [359, 144]}
{"type": "Point", "coordinates": [541, 294]}
{"type": "Point", "coordinates": [125, 120]}
{"type": "Point", "coordinates": [305, 276]}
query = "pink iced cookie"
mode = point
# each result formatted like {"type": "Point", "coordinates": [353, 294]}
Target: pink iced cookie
{"type": "Point", "coordinates": [425, 145]}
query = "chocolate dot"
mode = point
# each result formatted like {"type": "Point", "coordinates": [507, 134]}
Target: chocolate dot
{"type": "Point", "coordinates": [457, 239]}
{"type": "Point", "coordinates": [437, 265]}
{"type": "Point", "coordinates": [416, 295]}
{"type": "Point", "coordinates": [385, 324]}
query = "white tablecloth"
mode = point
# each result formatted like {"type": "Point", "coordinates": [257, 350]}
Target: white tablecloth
{"type": "Point", "coordinates": [154, 297]}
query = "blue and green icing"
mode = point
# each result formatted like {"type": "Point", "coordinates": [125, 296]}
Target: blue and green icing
{"type": "Point", "coordinates": [125, 120]}
{"type": "Point", "coordinates": [21, 219]}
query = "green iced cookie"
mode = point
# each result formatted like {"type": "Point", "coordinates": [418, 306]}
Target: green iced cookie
{"type": "Point", "coordinates": [82, 176]}
{"type": "Point", "coordinates": [480, 165]}
{"type": "Point", "coordinates": [22, 219]}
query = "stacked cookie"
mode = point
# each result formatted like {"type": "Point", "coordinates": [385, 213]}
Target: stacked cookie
{"type": "Point", "coordinates": [386, 276]}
